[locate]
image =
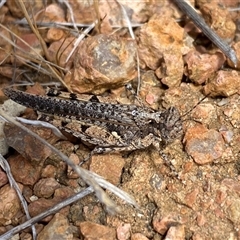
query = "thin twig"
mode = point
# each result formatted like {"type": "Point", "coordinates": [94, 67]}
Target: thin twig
{"type": "Point", "coordinates": [46, 213]}
{"type": "Point", "coordinates": [133, 37]}
{"type": "Point", "coordinates": [13, 184]}
{"type": "Point", "coordinates": [40, 58]}
{"type": "Point", "coordinates": [200, 23]}
{"type": "Point", "coordinates": [35, 30]}
{"type": "Point", "coordinates": [80, 38]}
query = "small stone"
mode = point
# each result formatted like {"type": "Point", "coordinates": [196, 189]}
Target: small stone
{"type": "Point", "coordinates": [12, 109]}
{"type": "Point", "coordinates": [23, 170]}
{"type": "Point", "coordinates": [138, 236]}
{"type": "Point", "coordinates": [201, 220]}
{"type": "Point", "coordinates": [236, 47]}
{"type": "Point", "coordinates": [25, 236]}
{"type": "Point", "coordinates": [190, 198]}
{"type": "Point", "coordinates": [60, 50]}
{"type": "Point", "coordinates": [108, 166]}
{"type": "Point", "coordinates": [204, 113]}
{"type": "Point", "coordinates": [27, 145]}
{"type": "Point", "coordinates": [17, 12]}
{"type": "Point", "coordinates": [218, 18]}
{"type": "Point", "coordinates": [201, 66]}
{"type": "Point", "coordinates": [45, 187]}
{"type": "Point", "coordinates": [198, 236]}
{"type": "Point", "coordinates": [162, 225]}
{"type": "Point", "coordinates": [187, 167]}
{"type": "Point", "coordinates": [31, 47]}
{"type": "Point", "coordinates": [223, 83]}
{"type": "Point", "coordinates": [176, 233]}
{"type": "Point", "coordinates": [27, 193]}
{"type": "Point", "coordinates": [161, 42]}
{"type": "Point", "coordinates": [70, 172]}
{"type": "Point", "coordinates": [203, 145]}
{"type": "Point", "coordinates": [95, 231]}
{"type": "Point", "coordinates": [232, 185]}
{"type": "Point", "coordinates": [124, 231]}
{"type": "Point", "coordinates": [227, 134]}
{"type": "Point", "coordinates": [58, 228]}
{"type": "Point", "coordinates": [49, 171]}
{"type": "Point", "coordinates": [221, 195]}
{"type": "Point", "coordinates": [10, 204]}
{"type": "Point", "coordinates": [63, 193]}
{"type": "Point", "coordinates": [233, 211]}
{"type": "Point", "coordinates": [41, 205]}
{"type": "Point", "coordinates": [101, 63]}
{"type": "Point", "coordinates": [3, 178]}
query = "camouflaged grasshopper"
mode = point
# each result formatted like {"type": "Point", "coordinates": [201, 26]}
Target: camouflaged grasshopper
{"type": "Point", "coordinates": [109, 127]}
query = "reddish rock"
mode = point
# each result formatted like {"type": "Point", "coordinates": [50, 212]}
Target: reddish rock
{"type": "Point", "coordinates": [198, 236]}
{"type": "Point", "coordinates": [25, 236]}
{"type": "Point", "coordinates": [3, 230]}
{"type": "Point", "coordinates": [27, 193]}
{"type": "Point", "coordinates": [54, 34]}
{"type": "Point", "coordinates": [109, 60]}
{"type": "Point", "coordinates": [17, 11]}
{"type": "Point", "coordinates": [73, 183]}
{"type": "Point", "coordinates": [203, 145]}
{"type": "Point", "coordinates": [190, 198]}
{"type": "Point", "coordinates": [124, 231]}
{"type": "Point", "coordinates": [95, 231]}
{"type": "Point", "coordinates": [63, 193]}
{"type": "Point", "coordinates": [201, 220]}
{"type": "Point", "coordinates": [232, 185]}
{"type": "Point", "coordinates": [3, 178]}
{"type": "Point", "coordinates": [187, 167]}
{"type": "Point", "coordinates": [10, 204]}
{"type": "Point", "coordinates": [45, 187]}
{"type": "Point", "coordinates": [60, 50]}
{"type": "Point", "coordinates": [108, 166]}
{"type": "Point", "coordinates": [218, 212]}
{"type": "Point", "coordinates": [226, 133]}
{"type": "Point", "coordinates": [162, 225]}
{"type": "Point", "coordinates": [176, 233]}
{"type": "Point", "coordinates": [49, 171]}
{"type": "Point", "coordinates": [70, 172]}
{"type": "Point", "coordinates": [223, 83]}
{"type": "Point", "coordinates": [161, 41]}
{"type": "Point", "coordinates": [23, 170]}
{"type": "Point", "coordinates": [57, 228]}
{"type": "Point", "coordinates": [32, 47]}
{"type": "Point", "coordinates": [204, 113]}
{"type": "Point", "coordinates": [236, 47]}
{"type": "Point", "coordinates": [110, 14]}
{"type": "Point", "coordinates": [41, 205]}
{"type": "Point", "coordinates": [218, 18]}
{"type": "Point", "coordinates": [221, 195]}
{"type": "Point", "coordinates": [233, 211]}
{"type": "Point", "coordinates": [138, 236]}
{"type": "Point", "coordinates": [200, 66]}
{"type": "Point", "coordinates": [27, 145]}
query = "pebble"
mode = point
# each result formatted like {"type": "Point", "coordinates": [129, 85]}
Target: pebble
{"type": "Point", "coordinates": [203, 145]}
{"type": "Point", "coordinates": [10, 204]}
{"type": "Point", "coordinates": [94, 231]}
{"type": "Point", "coordinates": [57, 229]}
